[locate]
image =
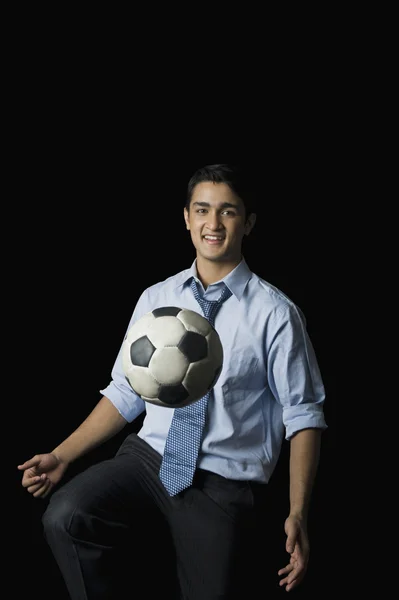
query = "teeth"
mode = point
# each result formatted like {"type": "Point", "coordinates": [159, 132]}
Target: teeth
{"type": "Point", "coordinates": [212, 237]}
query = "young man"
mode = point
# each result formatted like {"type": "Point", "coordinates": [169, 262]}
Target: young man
{"type": "Point", "coordinates": [207, 497]}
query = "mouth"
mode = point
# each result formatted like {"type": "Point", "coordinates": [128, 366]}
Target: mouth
{"type": "Point", "coordinates": [214, 240]}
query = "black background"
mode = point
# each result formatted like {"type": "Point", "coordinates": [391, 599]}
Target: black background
{"type": "Point", "coordinates": [99, 170]}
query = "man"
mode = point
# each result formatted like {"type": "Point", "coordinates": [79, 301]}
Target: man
{"type": "Point", "coordinates": [208, 497]}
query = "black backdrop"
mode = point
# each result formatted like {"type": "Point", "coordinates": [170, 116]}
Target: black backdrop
{"type": "Point", "coordinates": [97, 230]}
{"type": "Point", "coordinates": [99, 144]}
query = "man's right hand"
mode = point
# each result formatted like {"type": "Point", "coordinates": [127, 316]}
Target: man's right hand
{"type": "Point", "coordinates": [41, 473]}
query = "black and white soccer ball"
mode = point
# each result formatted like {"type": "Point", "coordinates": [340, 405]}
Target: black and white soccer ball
{"type": "Point", "coordinates": [172, 356]}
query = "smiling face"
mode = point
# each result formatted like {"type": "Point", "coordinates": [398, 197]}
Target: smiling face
{"type": "Point", "coordinates": [217, 223]}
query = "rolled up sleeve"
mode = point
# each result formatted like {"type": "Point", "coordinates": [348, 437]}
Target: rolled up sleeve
{"type": "Point", "coordinates": [126, 401]}
{"type": "Point", "coordinates": [293, 372]}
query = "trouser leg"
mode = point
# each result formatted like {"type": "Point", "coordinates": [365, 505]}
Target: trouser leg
{"type": "Point", "coordinates": [93, 516]}
{"type": "Point", "coordinates": [214, 531]}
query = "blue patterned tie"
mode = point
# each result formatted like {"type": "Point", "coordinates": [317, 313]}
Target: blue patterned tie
{"type": "Point", "coordinates": [185, 433]}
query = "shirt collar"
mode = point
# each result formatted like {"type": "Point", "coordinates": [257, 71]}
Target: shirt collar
{"type": "Point", "coordinates": [236, 280]}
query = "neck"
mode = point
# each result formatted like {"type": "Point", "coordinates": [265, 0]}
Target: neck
{"type": "Point", "coordinates": [212, 271]}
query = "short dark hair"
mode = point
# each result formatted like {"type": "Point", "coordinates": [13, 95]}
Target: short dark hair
{"type": "Point", "coordinates": [235, 176]}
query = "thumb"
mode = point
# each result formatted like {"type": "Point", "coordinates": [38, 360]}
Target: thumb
{"type": "Point", "coordinates": [292, 533]}
{"type": "Point", "coordinates": [290, 544]}
{"type": "Point", "coordinates": [32, 462]}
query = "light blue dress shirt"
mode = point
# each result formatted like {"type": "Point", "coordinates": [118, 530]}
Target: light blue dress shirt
{"type": "Point", "coordinates": [270, 386]}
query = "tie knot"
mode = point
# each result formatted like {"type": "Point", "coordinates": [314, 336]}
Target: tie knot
{"type": "Point", "coordinates": [210, 307]}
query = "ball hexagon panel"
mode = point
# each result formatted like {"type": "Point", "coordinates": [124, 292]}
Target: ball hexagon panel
{"type": "Point", "coordinates": [165, 331]}
{"type": "Point", "coordinates": [161, 364]}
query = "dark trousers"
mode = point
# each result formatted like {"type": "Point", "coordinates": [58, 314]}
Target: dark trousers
{"type": "Point", "coordinates": [116, 533]}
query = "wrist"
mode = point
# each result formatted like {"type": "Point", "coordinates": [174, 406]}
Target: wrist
{"type": "Point", "coordinates": [59, 456]}
{"type": "Point", "coordinates": [299, 513]}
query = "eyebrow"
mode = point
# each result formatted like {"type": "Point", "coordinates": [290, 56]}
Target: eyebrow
{"type": "Point", "coordinates": [224, 205]}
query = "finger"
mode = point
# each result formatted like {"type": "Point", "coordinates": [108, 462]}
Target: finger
{"type": "Point", "coordinates": [33, 488]}
{"type": "Point", "coordinates": [285, 570]}
{"type": "Point", "coordinates": [292, 584]}
{"type": "Point", "coordinates": [283, 582]}
{"type": "Point", "coordinates": [47, 490]}
{"type": "Point", "coordinates": [295, 577]}
{"type": "Point", "coordinates": [37, 482]}
{"type": "Point", "coordinates": [28, 481]}
{"type": "Point", "coordinates": [43, 490]}
{"type": "Point", "coordinates": [290, 543]}
{"type": "Point", "coordinates": [32, 462]}
{"type": "Point", "coordinates": [294, 574]}
{"type": "Point", "coordinates": [46, 493]}
{"type": "Point", "coordinates": [33, 480]}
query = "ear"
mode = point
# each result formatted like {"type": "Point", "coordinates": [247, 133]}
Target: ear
{"type": "Point", "coordinates": [249, 225]}
{"type": "Point", "coordinates": [186, 218]}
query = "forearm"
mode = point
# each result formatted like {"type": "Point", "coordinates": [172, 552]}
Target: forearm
{"type": "Point", "coordinates": [102, 423]}
{"type": "Point", "coordinates": [304, 460]}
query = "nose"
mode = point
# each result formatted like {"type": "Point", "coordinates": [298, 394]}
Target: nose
{"type": "Point", "coordinates": [213, 221]}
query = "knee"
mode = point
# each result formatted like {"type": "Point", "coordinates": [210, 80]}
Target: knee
{"type": "Point", "coordinates": [59, 513]}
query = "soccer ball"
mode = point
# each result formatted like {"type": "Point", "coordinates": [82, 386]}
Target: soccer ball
{"type": "Point", "coordinates": [172, 356]}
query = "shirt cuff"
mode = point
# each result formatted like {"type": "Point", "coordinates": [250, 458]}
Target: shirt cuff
{"type": "Point", "coordinates": [303, 416]}
{"type": "Point", "coordinates": [127, 403]}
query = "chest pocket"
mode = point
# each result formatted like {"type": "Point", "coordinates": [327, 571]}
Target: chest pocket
{"type": "Point", "coordinates": [242, 376]}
